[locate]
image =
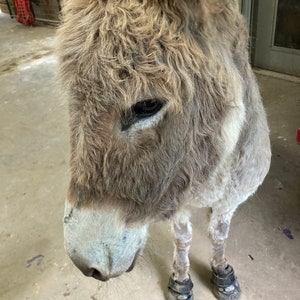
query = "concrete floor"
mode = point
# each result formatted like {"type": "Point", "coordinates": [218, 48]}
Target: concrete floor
{"type": "Point", "coordinates": [34, 179]}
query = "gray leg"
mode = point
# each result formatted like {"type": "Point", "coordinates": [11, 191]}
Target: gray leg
{"type": "Point", "coordinates": [224, 281]}
{"type": "Point", "coordinates": [180, 284]}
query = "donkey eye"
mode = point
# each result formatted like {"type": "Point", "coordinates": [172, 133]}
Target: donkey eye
{"type": "Point", "coordinates": [146, 108]}
{"type": "Point", "coordinates": [140, 110]}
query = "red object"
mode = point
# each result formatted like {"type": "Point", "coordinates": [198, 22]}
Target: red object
{"type": "Point", "coordinates": [24, 13]}
{"type": "Point", "coordinates": [298, 136]}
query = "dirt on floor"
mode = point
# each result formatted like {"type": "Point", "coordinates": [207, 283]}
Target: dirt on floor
{"type": "Point", "coordinates": [264, 242]}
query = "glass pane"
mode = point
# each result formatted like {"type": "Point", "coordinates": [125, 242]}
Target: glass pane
{"type": "Point", "coordinates": [287, 33]}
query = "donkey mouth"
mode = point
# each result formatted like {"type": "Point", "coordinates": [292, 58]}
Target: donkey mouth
{"type": "Point", "coordinates": [97, 275]}
{"type": "Point", "coordinates": [134, 261]}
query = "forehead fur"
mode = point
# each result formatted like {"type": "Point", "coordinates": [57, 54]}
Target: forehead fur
{"type": "Point", "coordinates": [117, 46]}
{"type": "Point", "coordinates": [150, 45]}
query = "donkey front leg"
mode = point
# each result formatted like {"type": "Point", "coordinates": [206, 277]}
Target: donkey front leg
{"type": "Point", "coordinates": [225, 284]}
{"type": "Point", "coordinates": [180, 284]}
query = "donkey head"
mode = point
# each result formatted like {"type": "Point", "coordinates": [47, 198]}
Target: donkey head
{"type": "Point", "coordinates": [141, 99]}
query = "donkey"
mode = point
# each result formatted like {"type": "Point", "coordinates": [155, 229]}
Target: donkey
{"type": "Point", "coordinates": [165, 115]}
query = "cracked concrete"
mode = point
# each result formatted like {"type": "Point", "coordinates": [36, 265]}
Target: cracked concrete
{"type": "Point", "coordinates": [34, 177]}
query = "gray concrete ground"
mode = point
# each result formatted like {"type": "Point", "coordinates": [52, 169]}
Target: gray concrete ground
{"type": "Point", "coordinates": [34, 178]}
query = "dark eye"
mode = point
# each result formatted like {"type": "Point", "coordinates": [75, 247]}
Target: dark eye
{"type": "Point", "coordinates": [146, 108]}
{"type": "Point", "coordinates": [140, 110]}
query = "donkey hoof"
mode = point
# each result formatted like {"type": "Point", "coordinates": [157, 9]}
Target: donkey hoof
{"type": "Point", "coordinates": [225, 285]}
{"type": "Point", "coordinates": [180, 290]}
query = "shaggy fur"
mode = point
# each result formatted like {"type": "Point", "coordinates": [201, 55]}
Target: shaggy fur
{"type": "Point", "coordinates": [192, 55]}
{"type": "Point", "coordinates": [208, 146]}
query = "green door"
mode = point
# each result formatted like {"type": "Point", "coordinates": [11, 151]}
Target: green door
{"type": "Point", "coordinates": [277, 42]}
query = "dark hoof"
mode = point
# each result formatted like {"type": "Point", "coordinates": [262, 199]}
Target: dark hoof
{"type": "Point", "coordinates": [226, 286]}
{"type": "Point", "coordinates": [180, 290]}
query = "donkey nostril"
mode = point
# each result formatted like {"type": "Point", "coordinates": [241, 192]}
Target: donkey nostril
{"type": "Point", "coordinates": [97, 275]}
